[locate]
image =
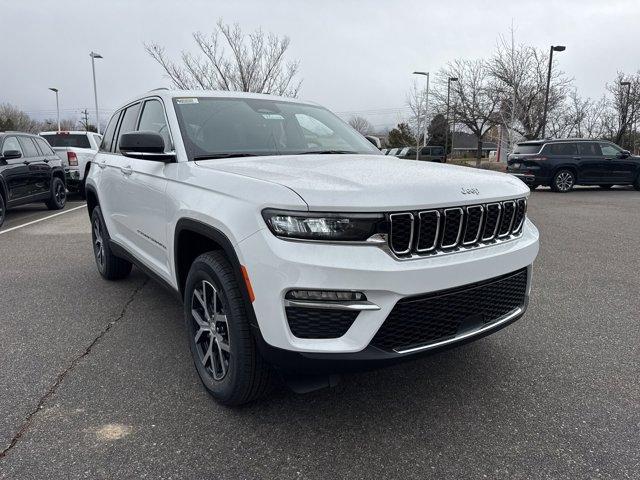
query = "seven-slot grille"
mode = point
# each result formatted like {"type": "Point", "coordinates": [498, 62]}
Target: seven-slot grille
{"type": "Point", "coordinates": [446, 229]}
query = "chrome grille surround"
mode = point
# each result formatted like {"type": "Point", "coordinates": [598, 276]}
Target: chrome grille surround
{"type": "Point", "coordinates": [488, 231]}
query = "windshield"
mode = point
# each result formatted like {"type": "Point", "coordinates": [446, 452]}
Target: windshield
{"type": "Point", "coordinates": [67, 140]}
{"type": "Point", "coordinates": [226, 127]}
{"type": "Point", "coordinates": [527, 148]}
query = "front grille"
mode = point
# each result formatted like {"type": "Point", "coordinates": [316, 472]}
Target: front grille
{"type": "Point", "coordinates": [447, 229]}
{"type": "Point", "coordinates": [319, 322]}
{"type": "Point", "coordinates": [425, 319]}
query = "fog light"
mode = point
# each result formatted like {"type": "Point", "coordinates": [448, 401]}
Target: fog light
{"type": "Point", "coordinates": [325, 295]}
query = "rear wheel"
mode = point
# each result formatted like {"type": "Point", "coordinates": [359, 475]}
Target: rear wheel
{"type": "Point", "coordinates": [223, 347]}
{"type": "Point", "coordinates": [563, 181]}
{"type": "Point", "coordinates": [109, 266]}
{"type": "Point", "coordinates": [58, 198]}
{"type": "Point", "coordinates": [3, 209]}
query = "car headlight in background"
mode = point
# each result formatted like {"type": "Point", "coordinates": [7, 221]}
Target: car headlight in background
{"type": "Point", "coordinates": [346, 227]}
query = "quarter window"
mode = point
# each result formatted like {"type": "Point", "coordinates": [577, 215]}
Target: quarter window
{"type": "Point", "coordinates": [153, 120]}
{"type": "Point", "coordinates": [11, 143]}
{"type": "Point", "coordinates": [29, 148]}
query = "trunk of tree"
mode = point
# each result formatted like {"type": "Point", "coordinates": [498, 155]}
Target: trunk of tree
{"type": "Point", "coordinates": [479, 152]}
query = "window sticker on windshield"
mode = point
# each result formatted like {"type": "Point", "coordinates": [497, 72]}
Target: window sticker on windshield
{"type": "Point", "coordinates": [183, 101]}
{"type": "Point", "coordinates": [272, 116]}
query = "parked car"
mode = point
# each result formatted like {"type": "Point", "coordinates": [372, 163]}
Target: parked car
{"type": "Point", "coordinates": [76, 150]}
{"type": "Point", "coordinates": [29, 172]}
{"type": "Point", "coordinates": [426, 154]}
{"type": "Point", "coordinates": [308, 255]}
{"type": "Point", "coordinates": [393, 151]}
{"type": "Point", "coordinates": [385, 151]}
{"type": "Point", "coordinates": [562, 164]}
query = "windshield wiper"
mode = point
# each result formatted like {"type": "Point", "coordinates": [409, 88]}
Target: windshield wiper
{"type": "Point", "coordinates": [212, 156]}
{"type": "Point", "coordinates": [327, 152]}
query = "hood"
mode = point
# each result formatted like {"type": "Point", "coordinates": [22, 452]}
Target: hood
{"type": "Point", "coordinates": [374, 182]}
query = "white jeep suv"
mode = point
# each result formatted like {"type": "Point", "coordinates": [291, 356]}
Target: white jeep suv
{"type": "Point", "coordinates": [295, 245]}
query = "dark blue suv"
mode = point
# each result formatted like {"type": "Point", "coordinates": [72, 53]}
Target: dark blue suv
{"type": "Point", "coordinates": [561, 164]}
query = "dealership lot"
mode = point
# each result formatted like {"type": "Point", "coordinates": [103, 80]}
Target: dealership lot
{"type": "Point", "coordinates": [97, 380]}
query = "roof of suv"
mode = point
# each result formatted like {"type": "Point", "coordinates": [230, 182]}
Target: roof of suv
{"type": "Point", "coordinates": [560, 140]}
{"type": "Point", "coordinates": [171, 94]}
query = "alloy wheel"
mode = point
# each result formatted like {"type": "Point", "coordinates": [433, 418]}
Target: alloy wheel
{"type": "Point", "coordinates": [98, 243]}
{"type": "Point", "coordinates": [564, 181]}
{"type": "Point", "coordinates": [211, 329]}
{"type": "Point", "coordinates": [60, 194]}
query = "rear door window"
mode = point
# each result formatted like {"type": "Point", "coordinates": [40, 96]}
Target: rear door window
{"type": "Point", "coordinates": [589, 149]}
{"type": "Point", "coordinates": [561, 149]}
{"type": "Point", "coordinates": [29, 148]}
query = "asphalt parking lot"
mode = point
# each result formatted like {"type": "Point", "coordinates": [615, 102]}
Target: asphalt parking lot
{"type": "Point", "coordinates": [97, 380]}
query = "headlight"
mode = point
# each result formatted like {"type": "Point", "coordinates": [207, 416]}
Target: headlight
{"type": "Point", "coordinates": [346, 227]}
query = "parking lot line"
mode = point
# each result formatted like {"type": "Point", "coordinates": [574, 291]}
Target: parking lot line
{"type": "Point", "coordinates": [42, 219]}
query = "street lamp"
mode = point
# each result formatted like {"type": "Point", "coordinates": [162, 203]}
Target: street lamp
{"type": "Point", "coordinates": [446, 131]}
{"type": "Point", "coordinates": [57, 105]}
{"type": "Point", "coordinates": [556, 48]}
{"type": "Point", "coordinates": [93, 56]}
{"type": "Point", "coordinates": [426, 107]}
{"type": "Point", "coordinates": [626, 106]}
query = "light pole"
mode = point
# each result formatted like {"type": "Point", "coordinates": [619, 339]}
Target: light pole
{"type": "Point", "coordinates": [556, 48]}
{"type": "Point", "coordinates": [426, 108]}
{"type": "Point", "coordinates": [93, 56]}
{"type": "Point", "coordinates": [446, 130]}
{"type": "Point", "coordinates": [57, 105]}
{"type": "Point", "coordinates": [626, 106]}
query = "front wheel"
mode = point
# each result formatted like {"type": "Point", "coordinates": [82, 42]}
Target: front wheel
{"type": "Point", "coordinates": [224, 350]}
{"type": "Point", "coordinates": [58, 198]}
{"type": "Point", "coordinates": [563, 181]}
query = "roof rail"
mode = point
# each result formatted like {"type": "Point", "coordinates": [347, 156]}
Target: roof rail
{"type": "Point", "coordinates": [159, 88]}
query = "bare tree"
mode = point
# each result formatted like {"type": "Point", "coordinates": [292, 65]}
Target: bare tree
{"type": "Point", "coordinates": [624, 106]}
{"type": "Point", "coordinates": [520, 72]}
{"type": "Point", "coordinates": [229, 59]}
{"type": "Point", "coordinates": [361, 124]}
{"type": "Point", "coordinates": [475, 99]}
{"type": "Point", "coordinates": [12, 118]}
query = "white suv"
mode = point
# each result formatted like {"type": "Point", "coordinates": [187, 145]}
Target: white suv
{"type": "Point", "coordinates": [295, 245]}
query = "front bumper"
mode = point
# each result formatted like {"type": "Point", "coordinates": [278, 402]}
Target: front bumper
{"type": "Point", "coordinates": [276, 266]}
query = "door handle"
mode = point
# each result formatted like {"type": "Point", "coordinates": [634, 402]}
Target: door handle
{"type": "Point", "coordinates": [126, 170]}
{"type": "Point", "coordinates": [25, 163]}
{"type": "Point", "coordinates": [46, 160]}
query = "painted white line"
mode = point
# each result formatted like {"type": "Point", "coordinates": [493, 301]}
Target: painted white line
{"type": "Point", "coordinates": [42, 219]}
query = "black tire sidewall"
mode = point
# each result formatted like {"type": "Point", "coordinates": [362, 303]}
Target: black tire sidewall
{"type": "Point", "coordinates": [213, 272]}
{"type": "Point", "coordinates": [96, 215]}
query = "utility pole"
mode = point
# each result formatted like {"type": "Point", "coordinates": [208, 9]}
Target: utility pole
{"type": "Point", "coordinates": [55, 90]}
{"type": "Point", "coordinates": [556, 48]}
{"type": "Point", "coordinates": [93, 56]}
{"type": "Point", "coordinates": [85, 115]}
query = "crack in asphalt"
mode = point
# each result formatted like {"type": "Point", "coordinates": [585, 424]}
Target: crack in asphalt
{"type": "Point", "coordinates": [60, 378]}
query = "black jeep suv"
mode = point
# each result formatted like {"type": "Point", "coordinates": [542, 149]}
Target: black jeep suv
{"type": "Point", "coordinates": [561, 164]}
{"type": "Point", "coordinates": [29, 172]}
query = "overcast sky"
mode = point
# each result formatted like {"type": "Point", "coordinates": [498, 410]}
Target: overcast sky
{"type": "Point", "coordinates": [356, 56]}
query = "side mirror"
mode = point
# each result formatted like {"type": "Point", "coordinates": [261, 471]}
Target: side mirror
{"type": "Point", "coordinates": [9, 154]}
{"type": "Point", "coordinates": [145, 146]}
{"type": "Point", "coordinates": [624, 154]}
{"type": "Point", "coordinates": [374, 140]}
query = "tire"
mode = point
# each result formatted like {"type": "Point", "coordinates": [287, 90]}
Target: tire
{"type": "Point", "coordinates": [605, 187]}
{"type": "Point", "coordinates": [563, 181]}
{"type": "Point", "coordinates": [3, 210]}
{"type": "Point", "coordinates": [223, 347]}
{"type": "Point", "coordinates": [58, 195]}
{"type": "Point", "coordinates": [109, 266]}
